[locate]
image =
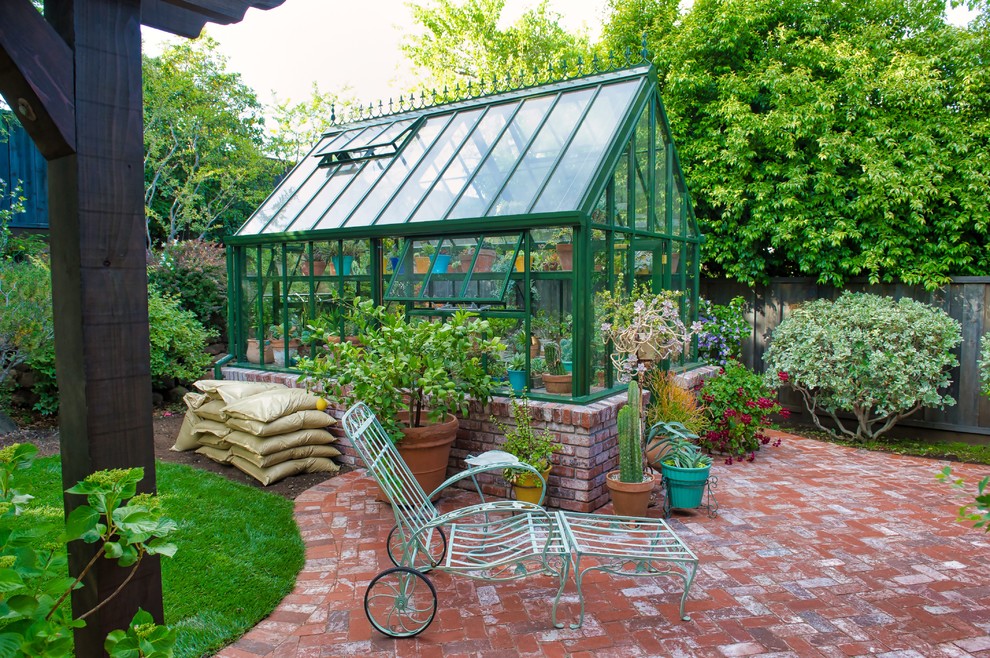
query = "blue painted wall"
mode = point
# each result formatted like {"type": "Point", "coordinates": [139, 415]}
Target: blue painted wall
{"type": "Point", "coordinates": [21, 163]}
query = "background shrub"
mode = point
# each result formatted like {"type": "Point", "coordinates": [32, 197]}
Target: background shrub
{"type": "Point", "coordinates": [25, 312]}
{"type": "Point", "coordinates": [723, 329]}
{"type": "Point", "coordinates": [177, 341]}
{"type": "Point", "coordinates": [195, 271]}
{"type": "Point", "coordinates": [870, 356]}
{"type": "Point", "coordinates": [738, 406]}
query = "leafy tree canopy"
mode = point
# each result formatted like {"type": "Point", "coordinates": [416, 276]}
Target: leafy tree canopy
{"type": "Point", "coordinates": [463, 42]}
{"type": "Point", "coordinates": [205, 163]}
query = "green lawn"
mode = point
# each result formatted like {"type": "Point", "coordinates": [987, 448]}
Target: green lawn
{"type": "Point", "coordinates": [239, 551]}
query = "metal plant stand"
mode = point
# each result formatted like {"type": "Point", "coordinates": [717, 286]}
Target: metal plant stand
{"type": "Point", "coordinates": [708, 491]}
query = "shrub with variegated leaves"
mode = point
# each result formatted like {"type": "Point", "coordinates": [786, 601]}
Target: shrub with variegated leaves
{"type": "Point", "coordinates": [985, 364]}
{"type": "Point", "coordinates": [873, 358]}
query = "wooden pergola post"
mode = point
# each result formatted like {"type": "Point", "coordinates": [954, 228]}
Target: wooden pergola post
{"type": "Point", "coordinates": [74, 78]}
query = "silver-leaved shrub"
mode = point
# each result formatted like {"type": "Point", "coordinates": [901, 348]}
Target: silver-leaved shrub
{"type": "Point", "coordinates": [871, 357]}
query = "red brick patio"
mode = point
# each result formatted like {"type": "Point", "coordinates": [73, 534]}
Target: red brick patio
{"type": "Point", "coordinates": [818, 550]}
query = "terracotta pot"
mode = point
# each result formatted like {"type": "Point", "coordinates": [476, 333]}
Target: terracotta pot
{"type": "Point", "coordinates": [421, 264]}
{"type": "Point", "coordinates": [318, 267]}
{"type": "Point", "coordinates": [528, 488]}
{"type": "Point", "coordinates": [426, 450]}
{"type": "Point", "coordinates": [560, 384]}
{"type": "Point", "coordinates": [486, 258]}
{"type": "Point", "coordinates": [253, 353]}
{"type": "Point", "coordinates": [534, 347]}
{"type": "Point", "coordinates": [630, 498]}
{"type": "Point", "coordinates": [565, 254]}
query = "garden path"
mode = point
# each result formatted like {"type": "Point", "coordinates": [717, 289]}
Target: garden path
{"type": "Point", "coordinates": [819, 550]}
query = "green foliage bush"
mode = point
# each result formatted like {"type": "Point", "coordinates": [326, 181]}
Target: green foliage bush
{"type": "Point", "coordinates": [723, 329]}
{"type": "Point", "coordinates": [738, 406]}
{"type": "Point", "coordinates": [33, 583]}
{"type": "Point", "coordinates": [177, 341]}
{"type": "Point", "coordinates": [26, 325]}
{"type": "Point", "coordinates": [195, 271]}
{"type": "Point", "coordinates": [870, 356]}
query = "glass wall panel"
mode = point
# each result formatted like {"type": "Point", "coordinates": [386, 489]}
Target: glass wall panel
{"type": "Point", "coordinates": [426, 173]}
{"type": "Point", "coordinates": [585, 152]}
{"type": "Point", "coordinates": [677, 221]}
{"type": "Point", "coordinates": [660, 180]}
{"type": "Point", "coordinates": [283, 192]}
{"type": "Point", "coordinates": [621, 184]}
{"type": "Point", "coordinates": [452, 181]}
{"type": "Point", "coordinates": [600, 282]}
{"type": "Point", "coordinates": [535, 165]}
{"type": "Point", "coordinates": [642, 178]}
{"type": "Point", "coordinates": [496, 168]}
{"type": "Point", "coordinates": [397, 170]}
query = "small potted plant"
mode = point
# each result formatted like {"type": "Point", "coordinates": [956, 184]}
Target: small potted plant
{"type": "Point", "coordinates": [285, 346]}
{"type": "Point", "coordinates": [516, 371]}
{"type": "Point", "coordinates": [555, 379]}
{"type": "Point", "coordinates": [685, 469]}
{"type": "Point", "coordinates": [530, 447]}
{"type": "Point", "coordinates": [670, 404]}
{"type": "Point", "coordinates": [318, 263]}
{"type": "Point", "coordinates": [630, 486]}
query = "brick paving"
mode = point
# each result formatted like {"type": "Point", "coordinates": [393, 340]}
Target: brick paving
{"type": "Point", "coordinates": [818, 550]}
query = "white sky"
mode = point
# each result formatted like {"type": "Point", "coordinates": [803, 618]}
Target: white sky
{"type": "Point", "coordinates": [339, 43]}
{"type": "Point", "coordinates": [355, 43]}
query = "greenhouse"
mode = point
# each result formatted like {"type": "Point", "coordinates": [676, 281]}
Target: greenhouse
{"type": "Point", "coordinates": [522, 205]}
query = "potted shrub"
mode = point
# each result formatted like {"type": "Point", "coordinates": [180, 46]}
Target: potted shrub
{"type": "Point", "coordinates": [555, 379]}
{"type": "Point", "coordinates": [685, 469]}
{"type": "Point", "coordinates": [630, 486]}
{"type": "Point", "coordinates": [516, 371]}
{"type": "Point", "coordinates": [415, 374]}
{"type": "Point", "coordinates": [318, 264]}
{"type": "Point", "coordinates": [530, 447]}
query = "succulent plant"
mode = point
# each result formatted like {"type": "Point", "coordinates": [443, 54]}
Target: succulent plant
{"type": "Point", "coordinates": [631, 437]}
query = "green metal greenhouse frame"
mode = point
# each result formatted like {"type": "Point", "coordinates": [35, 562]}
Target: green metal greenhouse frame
{"type": "Point", "coordinates": [587, 160]}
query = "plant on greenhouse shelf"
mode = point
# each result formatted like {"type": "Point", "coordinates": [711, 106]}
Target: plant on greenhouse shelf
{"type": "Point", "coordinates": [643, 327]}
{"type": "Point", "coordinates": [738, 405]}
{"type": "Point", "coordinates": [723, 329]}
{"type": "Point", "coordinates": [127, 526]}
{"type": "Point", "coordinates": [878, 359]}
{"type": "Point", "coordinates": [980, 518]}
{"type": "Point", "coordinates": [984, 364]}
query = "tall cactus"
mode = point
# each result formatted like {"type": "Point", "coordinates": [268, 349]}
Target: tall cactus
{"type": "Point", "coordinates": [551, 354]}
{"type": "Point", "coordinates": [631, 437]}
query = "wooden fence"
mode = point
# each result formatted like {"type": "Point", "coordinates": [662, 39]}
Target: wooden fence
{"type": "Point", "coordinates": [967, 299]}
{"type": "Point", "coordinates": [22, 164]}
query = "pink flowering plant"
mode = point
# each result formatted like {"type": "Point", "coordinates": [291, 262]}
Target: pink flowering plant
{"type": "Point", "coordinates": [643, 326]}
{"type": "Point", "coordinates": [738, 407]}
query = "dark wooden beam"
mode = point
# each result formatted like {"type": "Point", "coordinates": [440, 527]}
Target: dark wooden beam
{"type": "Point", "coordinates": [36, 77]}
{"type": "Point", "coordinates": [100, 293]}
{"type": "Point", "coordinates": [187, 17]}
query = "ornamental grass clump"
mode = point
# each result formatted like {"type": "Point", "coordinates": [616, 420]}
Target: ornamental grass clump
{"type": "Point", "coordinates": [874, 358]}
{"type": "Point", "coordinates": [738, 407]}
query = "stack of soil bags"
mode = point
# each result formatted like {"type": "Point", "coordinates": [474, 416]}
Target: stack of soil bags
{"type": "Point", "coordinates": [266, 430]}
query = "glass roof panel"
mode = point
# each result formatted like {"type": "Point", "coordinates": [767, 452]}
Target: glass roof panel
{"type": "Point", "coordinates": [533, 168]}
{"type": "Point", "coordinates": [452, 181]}
{"type": "Point", "coordinates": [586, 150]}
{"type": "Point", "coordinates": [340, 177]}
{"type": "Point", "coordinates": [488, 179]}
{"type": "Point", "coordinates": [426, 173]}
{"type": "Point", "coordinates": [396, 171]}
{"type": "Point", "coordinates": [284, 191]}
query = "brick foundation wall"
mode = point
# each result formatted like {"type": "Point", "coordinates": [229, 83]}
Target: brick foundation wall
{"type": "Point", "coordinates": [587, 435]}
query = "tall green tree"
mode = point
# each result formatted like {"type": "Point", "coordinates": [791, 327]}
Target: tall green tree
{"type": "Point", "coordinates": [831, 139]}
{"type": "Point", "coordinates": [205, 163]}
{"type": "Point", "coordinates": [462, 42]}
{"type": "Point", "coordinates": [295, 127]}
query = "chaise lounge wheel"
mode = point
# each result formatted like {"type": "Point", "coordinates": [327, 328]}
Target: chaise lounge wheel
{"type": "Point", "coordinates": [436, 550]}
{"type": "Point", "coordinates": [400, 602]}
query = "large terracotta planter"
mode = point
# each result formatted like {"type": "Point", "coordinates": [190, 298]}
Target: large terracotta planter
{"type": "Point", "coordinates": [558, 384]}
{"type": "Point", "coordinates": [426, 450]}
{"type": "Point", "coordinates": [253, 353]}
{"type": "Point", "coordinates": [630, 498]}
{"type": "Point", "coordinates": [318, 267]}
{"type": "Point", "coordinates": [565, 254]}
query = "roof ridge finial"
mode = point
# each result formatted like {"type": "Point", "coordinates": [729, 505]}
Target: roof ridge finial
{"type": "Point", "coordinates": [645, 52]}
